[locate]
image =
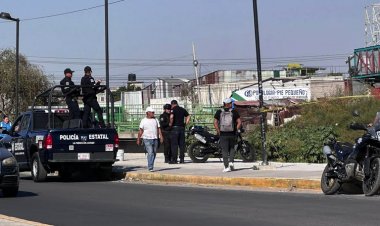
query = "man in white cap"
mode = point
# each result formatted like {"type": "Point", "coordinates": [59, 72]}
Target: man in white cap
{"type": "Point", "coordinates": [150, 132]}
{"type": "Point", "coordinates": [227, 123]}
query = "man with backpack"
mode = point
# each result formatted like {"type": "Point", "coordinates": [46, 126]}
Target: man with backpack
{"type": "Point", "coordinates": [227, 123]}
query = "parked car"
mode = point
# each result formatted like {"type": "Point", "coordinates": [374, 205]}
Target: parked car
{"type": "Point", "coordinates": [9, 173]}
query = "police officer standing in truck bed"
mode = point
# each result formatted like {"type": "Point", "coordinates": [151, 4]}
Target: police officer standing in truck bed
{"type": "Point", "coordinates": [70, 93]}
{"type": "Point", "coordinates": [89, 97]}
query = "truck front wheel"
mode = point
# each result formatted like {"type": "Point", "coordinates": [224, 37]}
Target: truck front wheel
{"type": "Point", "coordinates": [39, 173]}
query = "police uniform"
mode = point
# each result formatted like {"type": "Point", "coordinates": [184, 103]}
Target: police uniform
{"type": "Point", "coordinates": [165, 128]}
{"type": "Point", "coordinates": [178, 133]}
{"type": "Point", "coordinates": [90, 100]}
{"type": "Point", "coordinates": [70, 96]}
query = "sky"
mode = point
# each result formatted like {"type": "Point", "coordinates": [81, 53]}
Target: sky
{"type": "Point", "coordinates": [153, 38]}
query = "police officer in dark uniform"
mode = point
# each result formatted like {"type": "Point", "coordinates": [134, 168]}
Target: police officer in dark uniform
{"type": "Point", "coordinates": [71, 94]}
{"type": "Point", "coordinates": [89, 97]}
{"type": "Point", "coordinates": [178, 120]}
{"type": "Point", "coordinates": [165, 128]}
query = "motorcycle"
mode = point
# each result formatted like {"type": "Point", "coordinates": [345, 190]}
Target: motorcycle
{"type": "Point", "coordinates": [207, 144]}
{"type": "Point", "coordinates": [366, 169]}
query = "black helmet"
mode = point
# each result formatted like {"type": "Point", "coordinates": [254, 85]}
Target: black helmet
{"type": "Point", "coordinates": [167, 106]}
{"type": "Point", "coordinates": [87, 69]}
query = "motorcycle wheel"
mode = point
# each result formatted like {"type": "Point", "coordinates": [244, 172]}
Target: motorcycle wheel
{"type": "Point", "coordinates": [195, 154]}
{"type": "Point", "coordinates": [246, 151]}
{"type": "Point", "coordinates": [329, 185]}
{"type": "Point", "coordinates": [371, 184]}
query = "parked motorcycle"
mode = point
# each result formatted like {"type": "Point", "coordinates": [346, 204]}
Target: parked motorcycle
{"type": "Point", "coordinates": [365, 170]}
{"type": "Point", "coordinates": [207, 144]}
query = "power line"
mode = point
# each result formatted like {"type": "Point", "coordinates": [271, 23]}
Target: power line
{"type": "Point", "coordinates": [70, 12]}
{"type": "Point", "coordinates": [327, 56]}
{"type": "Point", "coordinates": [114, 59]}
{"type": "Point", "coordinates": [176, 62]}
{"type": "Point", "coordinates": [216, 64]}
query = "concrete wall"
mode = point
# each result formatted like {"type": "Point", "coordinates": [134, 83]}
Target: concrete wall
{"type": "Point", "coordinates": [326, 87]}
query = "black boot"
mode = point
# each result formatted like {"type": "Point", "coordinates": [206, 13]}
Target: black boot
{"type": "Point", "coordinates": [173, 161]}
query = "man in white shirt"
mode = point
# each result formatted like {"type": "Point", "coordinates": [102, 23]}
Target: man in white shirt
{"type": "Point", "coordinates": [150, 132]}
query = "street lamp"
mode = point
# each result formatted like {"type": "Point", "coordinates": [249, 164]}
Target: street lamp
{"type": "Point", "coordinates": [7, 16]}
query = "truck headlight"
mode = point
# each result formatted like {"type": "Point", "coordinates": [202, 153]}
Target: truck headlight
{"type": "Point", "coordinates": [11, 161]}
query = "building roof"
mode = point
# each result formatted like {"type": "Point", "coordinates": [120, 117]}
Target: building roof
{"type": "Point", "coordinates": [174, 81]}
{"type": "Point", "coordinates": [170, 81]}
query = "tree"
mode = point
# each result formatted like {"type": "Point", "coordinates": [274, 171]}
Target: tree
{"type": "Point", "coordinates": [117, 94]}
{"type": "Point", "coordinates": [32, 81]}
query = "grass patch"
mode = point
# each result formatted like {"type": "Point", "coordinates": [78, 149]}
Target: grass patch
{"type": "Point", "coordinates": [302, 139]}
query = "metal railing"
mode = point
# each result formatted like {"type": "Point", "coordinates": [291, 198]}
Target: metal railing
{"type": "Point", "coordinates": [54, 92]}
{"type": "Point", "coordinates": [128, 118]}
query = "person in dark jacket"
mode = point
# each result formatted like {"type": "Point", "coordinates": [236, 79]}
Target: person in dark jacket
{"type": "Point", "coordinates": [165, 128]}
{"type": "Point", "coordinates": [89, 97]}
{"type": "Point", "coordinates": [71, 94]}
{"type": "Point", "coordinates": [178, 120]}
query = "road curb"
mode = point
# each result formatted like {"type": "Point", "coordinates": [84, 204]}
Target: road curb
{"type": "Point", "coordinates": [284, 183]}
{"type": "Point", "coordinates": [17, 221]}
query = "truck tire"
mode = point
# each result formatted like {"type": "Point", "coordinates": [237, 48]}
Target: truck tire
{"type": "Point", "coordinates": [39, 173]}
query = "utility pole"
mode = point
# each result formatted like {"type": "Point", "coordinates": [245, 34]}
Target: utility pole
{"type": "Point", "coordinates": [195, 63]}
{"type": "Point", "coordinates": [260, 85]}
{"type": "Point", "coordinates": [107, 60]}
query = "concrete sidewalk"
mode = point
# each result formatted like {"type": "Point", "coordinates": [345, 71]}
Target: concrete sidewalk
{"type": "Point", "coordinates": [287, 176]}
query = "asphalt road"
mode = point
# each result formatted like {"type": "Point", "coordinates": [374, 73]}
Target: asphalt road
{"type": "Point", "coordinates": [125, 203]}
